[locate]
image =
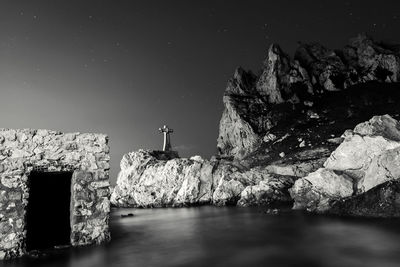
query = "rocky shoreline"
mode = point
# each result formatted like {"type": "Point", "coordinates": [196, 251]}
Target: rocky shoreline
{"type": "Point", "coordinates": [285, 138]}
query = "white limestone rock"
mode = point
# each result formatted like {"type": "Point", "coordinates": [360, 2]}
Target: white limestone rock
{"type": "Point", "coordinates": [368, 156]}
{"type": "Point", "coordinates": [270, 191]}
{"type": "Point", "coordinates": [314, 191]}
{"type": "Point", "coordinates": [147, 181]}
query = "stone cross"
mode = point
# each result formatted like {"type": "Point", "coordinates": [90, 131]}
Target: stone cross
{"type": "Point", "coordinates": [167, 143]}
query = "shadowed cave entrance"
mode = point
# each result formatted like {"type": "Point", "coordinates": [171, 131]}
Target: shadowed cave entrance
{"type": "Point", "coordinates": [48, 211]}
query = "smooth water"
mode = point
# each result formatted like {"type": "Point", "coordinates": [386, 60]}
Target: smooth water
{"type": "Point", "coordinates": [229, 236]}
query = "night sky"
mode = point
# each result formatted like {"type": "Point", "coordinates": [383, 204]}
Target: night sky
{"type": "Point", "coordinates": [125, 68]}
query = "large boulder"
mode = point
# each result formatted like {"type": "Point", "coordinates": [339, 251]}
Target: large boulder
{"type": "Point", "coordinates": [367, 157]}
{"type": "Point", "coordinates": [315, 191]}
{"type": "Point", "coordinates": [384, 167]}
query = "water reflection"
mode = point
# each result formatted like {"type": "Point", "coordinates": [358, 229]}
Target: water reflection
{"type": "Point", "coordinates": [210, 236]}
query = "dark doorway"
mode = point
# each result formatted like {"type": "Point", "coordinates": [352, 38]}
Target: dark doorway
{"type": "Point", "coordinates": [48, 212]}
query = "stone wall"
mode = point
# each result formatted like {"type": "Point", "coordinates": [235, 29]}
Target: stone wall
{"type": "Point", "coordinates": [86, 155]}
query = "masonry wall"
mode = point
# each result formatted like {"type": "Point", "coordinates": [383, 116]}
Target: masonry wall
{"type": "Point", "coordinates": [87, 155]}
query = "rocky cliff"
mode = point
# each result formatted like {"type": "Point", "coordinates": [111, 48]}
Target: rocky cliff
{"type": "Point", "coordinates": [279, 128]}
{"type": "Point", "coordinates": [289, 91]}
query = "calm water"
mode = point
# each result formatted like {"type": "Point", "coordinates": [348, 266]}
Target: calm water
{"type": "Point", "coordinates": [211, 236]}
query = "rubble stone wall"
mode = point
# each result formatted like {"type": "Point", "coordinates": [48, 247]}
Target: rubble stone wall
{"type": "Point", "coordinates": [84, 154]}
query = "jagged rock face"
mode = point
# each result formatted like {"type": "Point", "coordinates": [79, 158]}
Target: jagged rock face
{"type": "Point", "coordinates": [367, 157]}
{"type": "Point", "coordinates": [326, 69]}
{"type": "Point", "coordinates": [239, 126]}
{"type": "Point", "coordinates": [280, 76]}
{"type": "Point", "coordinates": [381, 201]}
{"type": "Point", "coordinates": [372, 61]}
{"type": "Point", "coordinates": [146, 180]}
{"type": "Point", "coordinates": [291, 91]}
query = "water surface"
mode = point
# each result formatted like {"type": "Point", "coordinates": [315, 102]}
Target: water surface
{"type": "Point", "coordinates": [230, 236]}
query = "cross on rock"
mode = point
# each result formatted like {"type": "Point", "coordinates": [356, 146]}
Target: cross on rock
{"type": "Point", "coordinates": [167, 142]}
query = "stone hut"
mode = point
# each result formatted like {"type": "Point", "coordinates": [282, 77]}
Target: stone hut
{"type": "Point", "coordinates": [54, 190]}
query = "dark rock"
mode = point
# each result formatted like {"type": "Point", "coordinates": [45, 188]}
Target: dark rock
{"type": "Point", "coordinates": [127, 215]}
{"type": "Point", "coordinates": [327, 70]}
{"type": "Point", "coordinates": [381, 201]}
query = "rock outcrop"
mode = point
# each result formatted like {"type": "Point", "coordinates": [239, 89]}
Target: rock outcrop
{"type": "Point", "coordinates": [305, 89]}
{"type": "Point", "coordinates": [149, 179]}
{"type": "Point", "coordinates": [368, 156]}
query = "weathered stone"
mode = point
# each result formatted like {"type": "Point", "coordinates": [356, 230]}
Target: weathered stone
{"type": "Point", "coordinates": [14, 195]}
{"type": "Point", "coordinates": [100, 184]}
{"type": "Point", "coordinates": [11, 181]}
